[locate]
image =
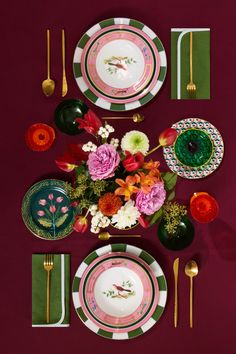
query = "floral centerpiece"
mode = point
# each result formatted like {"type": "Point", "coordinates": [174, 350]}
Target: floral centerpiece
{"type": "Point", "coordinates": [115, 181]}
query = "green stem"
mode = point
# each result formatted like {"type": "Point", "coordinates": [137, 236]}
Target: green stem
{"type": "Point", "coordinates": [154, 149]}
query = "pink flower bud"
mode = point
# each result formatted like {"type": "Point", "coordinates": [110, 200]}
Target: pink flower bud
{"type": "Point", "coordinates": [42, 202]}
{"type": "Point", "coordinates": [52, 208]}
{"type": "Point", "coordinates": [41, 213]}
{"type": "Point", "coordinates": [64, 209]}
{"type": "Point", "coordinates": [59, 199]}
{"type": "Point", "coordinates": [50, 196]}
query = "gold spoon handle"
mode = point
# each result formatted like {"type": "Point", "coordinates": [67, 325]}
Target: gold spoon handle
{"type": "Point", "coordinates": [191, 57]}
{"type": "Point", "coordinates": [48, 52]}
{"type": "Point", "coordinates": [191, 304]}
{"type": "Point", "coordinates": [64, 81]}
{"type": "Point", "coordinates": [176, 304]}
{"type": "Point", "coordinates": [125, 235]}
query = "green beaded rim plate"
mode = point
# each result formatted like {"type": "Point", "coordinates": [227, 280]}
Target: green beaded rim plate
{"type": "Point", "coordinates": [154, 268]}
{"type": "Point", "coordinates": [201, 144]}
{"type": "Point", "coordinates": [213, 162]}
{"type": "Point", "coordinates": [46, 210]}
{"type": "Point", "coordinates": [98, 99]}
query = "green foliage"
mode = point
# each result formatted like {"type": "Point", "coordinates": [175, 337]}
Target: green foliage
{"type": "Point", "coordinates": [169, 179]}
{"type": "Point", "coordinates": [45, 222]}
{"type": "Point", "coordinates": [61, 220]}
{"type": "Point", "coordinates": [154, 218]}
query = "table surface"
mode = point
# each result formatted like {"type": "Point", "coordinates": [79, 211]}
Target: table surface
{"type": "Point", "coordinates": [23, 67]}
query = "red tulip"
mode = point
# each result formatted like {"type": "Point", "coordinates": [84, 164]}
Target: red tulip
{"type": "Point", "coordinates": [133, 162]}
{"type": "Point", "coordinates": [91, 123]}
{"type": "Point", "coordinates": [71, 157]}
{"type": "Point", "coordinates": [168, 137]}
{"type": "Point", "coordinates": [81, 224]}
{"type": "Point", "coordinates": [143, 221]}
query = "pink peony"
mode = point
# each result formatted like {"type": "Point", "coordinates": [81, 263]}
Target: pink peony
{"type": "Point", "coordinates": [149, 203]}
{"type": "Point", "coordinates": [103, 162]}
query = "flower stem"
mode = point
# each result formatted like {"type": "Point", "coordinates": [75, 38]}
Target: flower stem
{"type": "Point", "coordinates": [154, 149]}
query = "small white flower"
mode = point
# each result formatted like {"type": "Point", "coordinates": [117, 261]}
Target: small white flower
{"type": "Point", "coordinates": [109, 128]}
{"type": "Point", "coordinates": [114, 142]}
{"type": "Point", "coordinates": [89, 147]}
{"type": "Point", "coordinates": [126, 216]}
{"type": "Point", "coordinates": [95, 230]}
{"type": "Point", "coordinates": [93, 209]}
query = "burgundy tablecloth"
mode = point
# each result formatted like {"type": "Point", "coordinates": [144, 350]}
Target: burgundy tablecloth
{"type": "Point", "coordinates": [23, 67]}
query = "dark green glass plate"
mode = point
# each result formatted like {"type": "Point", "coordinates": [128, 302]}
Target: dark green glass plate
{"type": "Point", "coordinates": [181, 239]}
{"type": "Point", "coordinates": [46, 210]}
{"type": "Point", "coordinates": [193, 148]}
{"type": "Point", "coordinates": [65, 115]}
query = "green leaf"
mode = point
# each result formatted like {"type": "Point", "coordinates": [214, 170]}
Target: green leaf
{"type": "Point", "coordinates": [155, 217]}
{"type": "Point", "coordinates": [45, 222]}
{"type": "Point", "coordinates": [61, 220]}
{"type": "Point", "coordinates": [171, 196]}
{"type": "Point", "coordinates": [169, 179]}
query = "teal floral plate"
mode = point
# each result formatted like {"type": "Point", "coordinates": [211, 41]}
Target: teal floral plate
{"type": "Point", "coordinates": [47, 210]}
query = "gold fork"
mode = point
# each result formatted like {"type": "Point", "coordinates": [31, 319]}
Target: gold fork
{"type": "Point", "coordinates": [191, 87]}
{"type": "Point", "coordinates": [48, 266]}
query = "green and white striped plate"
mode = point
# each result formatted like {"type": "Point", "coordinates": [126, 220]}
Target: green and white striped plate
{"type": "Point", "coordinates": [152, 265]}
{"type": "Point", "coordinates": [99, 99]}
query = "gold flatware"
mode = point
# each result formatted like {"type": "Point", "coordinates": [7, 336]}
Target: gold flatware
{"type": "Point", "coordinates": [48, 85]}
{"type": "Point", "coordinates": [191, 87]}
{"type": "Point", "coordinates": [64, 81]}
{"type": "Point", "coordinates": [48, 266]}
{"type": "Point", "coordinates": [191, 270]}
{"type": "Point", "coordinates": [104, 236]}
{"type": "Point", "coordinates": [176, 273]}
{"type": "Point", "coordinates": [137, 118]}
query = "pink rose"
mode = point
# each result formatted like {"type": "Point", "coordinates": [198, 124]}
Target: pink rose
{"type": "Point", "coordinates": [149, 203]}
{"type": "Point", "coordinates": [103, 162]}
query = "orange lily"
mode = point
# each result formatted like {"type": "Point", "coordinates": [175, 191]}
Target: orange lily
{"type": "Point", "coordinates": [127, 187]}
{"type": "Point", "coordinates": [147, 181]}
{"type": "Point", "coordinates": [150, 165]}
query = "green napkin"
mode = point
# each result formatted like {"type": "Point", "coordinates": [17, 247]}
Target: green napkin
{"type": "Point", "coordinates": [59, 291]}
{"type": "Point", "coordinates": [180, 50]}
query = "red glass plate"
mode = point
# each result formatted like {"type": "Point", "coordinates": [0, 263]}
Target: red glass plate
{"type": "Point", "coordinates": [204, 208]}
{"type": "Point", "coordinates": [39, 137]}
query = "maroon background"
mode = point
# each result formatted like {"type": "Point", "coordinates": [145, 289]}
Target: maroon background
{"type": "Point", "coordinates": [23, 67]}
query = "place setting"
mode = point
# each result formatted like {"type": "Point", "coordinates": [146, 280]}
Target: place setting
{"type": "Point", "coordinates": [114, 188]}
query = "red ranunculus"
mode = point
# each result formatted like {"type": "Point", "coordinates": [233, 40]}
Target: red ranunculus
{"type": "Point", "coordinates": [167, 137]}
{"type": "Point", "coordinates": [91, 123]}
{"type": "Point", "coordinates": [81, 224]}
{"type": "Point", "coordinates": [133, 162]}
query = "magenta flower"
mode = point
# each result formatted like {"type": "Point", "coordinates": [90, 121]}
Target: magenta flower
{"type": "Point", "coordinates": [59, 199]}
{"type": "Point", "coordinates": [64, 209]}
{"type": "Point", "coordinates": [149, 203]}
{"type": "Point", "coordinates": [103, 162]}
{"type": "Point", "coordinates": [52, 208]}
{"type": "Point", "coordinates": [50, 196]}
{"type": "Point", "coordinates": [41, 213]}
{"type": "Point", "coordinates": [42, 202]}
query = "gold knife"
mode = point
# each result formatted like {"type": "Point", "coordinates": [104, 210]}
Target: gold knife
{"type": "Point", "coordinates": [64, 81]}
{"type": "Point", "coordinates": [176, 273]}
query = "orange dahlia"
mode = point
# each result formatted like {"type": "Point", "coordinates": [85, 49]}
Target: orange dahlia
{"type": "Point", "coordinates": [109, 204]}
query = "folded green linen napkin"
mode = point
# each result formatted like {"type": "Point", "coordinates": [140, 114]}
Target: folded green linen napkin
{"type": "Point", "coordinates": [180, 67]}
{"type": "Point", "coordinates": [59, 291]}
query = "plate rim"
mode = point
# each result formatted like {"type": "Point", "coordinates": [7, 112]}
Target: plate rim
{"type": "Point", "coordinates": [100, 102]}
{"type": "Point", "coordinates": [159, 275]}
{"type": "Point", "coordinates": [25, 207]}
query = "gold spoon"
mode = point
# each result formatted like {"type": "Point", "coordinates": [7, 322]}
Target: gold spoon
{"type": "Point", "coordinates": [48, 85]}
{"type": "Point", "coordinates": [104, 236]}
{"type": "Point", "coordinates": [64, 81]}
{"type": "Point", "coordinates": [191, 270]}
{"type": "Point", "coordinates": [176, 273]}
{"type": "Point", "coordinates": [137, 118]}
